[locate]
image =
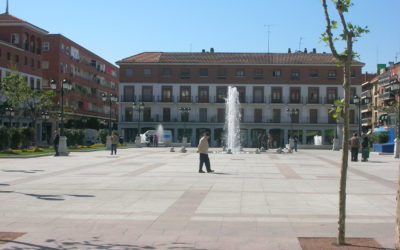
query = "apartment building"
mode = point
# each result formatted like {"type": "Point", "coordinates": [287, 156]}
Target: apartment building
{"type": "Point", "coordinates": [90, 75]}
{"type": "Point", "coordinates": [280, 94]}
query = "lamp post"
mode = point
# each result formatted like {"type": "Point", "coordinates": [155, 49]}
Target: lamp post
{"type": "Point", "coordinates": [45, 117]}
{"type": "Point", "coordinates": [9, 114]}
{"type": "Point", "coordinates": [292, 113]}
{"type": "Point", "coordinates": [138, 106]}
{"type": "Point", "coordinates": [357, 101]}
{"type": "Point", "coordinates": [65, 86]}
{"type": "Point", "coordinates": [184, 117]}
{"type": "Point", "coordinates": [109, 98]}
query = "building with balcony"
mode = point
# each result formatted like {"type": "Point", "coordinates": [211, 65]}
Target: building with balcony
{"type": "Point", "coordinates": [269, 84]}
{"type": "Point", "coordinates": [368, 111]}
{"type": "Point", "coordinates": [91, 77]}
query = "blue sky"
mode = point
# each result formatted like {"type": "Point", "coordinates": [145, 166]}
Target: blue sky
{"type": "Point", "coordinates": [121, 28]}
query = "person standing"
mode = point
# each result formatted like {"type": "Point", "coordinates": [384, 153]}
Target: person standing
{"type": "Point", "coordinates": [56, 143]}
{"type": "Point", "coordinates": [155, 140]}
{"type": "Point", "coordinates": [114, 142]}
{"type": "Point", "coordinates": [354, 145]}
{"type": "Point", "coordinates": [365, 148]}
{"type": "Point", "coordinates": [295, 140]}
{"type": "Point", "coordinates": [202, 149]}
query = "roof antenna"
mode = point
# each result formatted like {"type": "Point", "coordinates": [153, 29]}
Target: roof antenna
{"type": "Point", "coordinates": [7, 7]}
{"type": "Point", "coordinates": [268, 32]}
{"type": "Point", "coordinates": [301, 38]}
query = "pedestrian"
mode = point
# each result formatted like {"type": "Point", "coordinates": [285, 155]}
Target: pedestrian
{"type": "Point", "coordinates": [354, 145]}
{"type": "Point", "coordinates": [295, 140]}
{"type": "Point", "coordinates": [270, 139]}
{"type": "Point", "coordinates": [147, 140]}
{"type": "Point", "coordinates": [202, 149]}
{"type": "Point", "coordinates": [155, 140]}
{"type": "Point", "coordinates": [114, 142]}
{"type": "Point", "coordinates": [365, 148]}
{"type": "Point", "coordinates": [56, 143]}
{"type": "Point", "coordinates": [151, 140]}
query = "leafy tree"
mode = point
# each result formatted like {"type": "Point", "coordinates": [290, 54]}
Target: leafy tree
{"type": "Point", "coordinates": [348, 36]}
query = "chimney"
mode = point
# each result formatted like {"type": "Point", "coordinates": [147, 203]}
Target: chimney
{"type": "Point", "coordinates": [203, 51]}
{"type": "Point", "coordinates": [314, 51]}
{"type": "Point", "coordinates": [289, 51]}
{"type": "Point", "coordinates": [305, 50]}
{"type": "Point", "coordinates": [212, 50]}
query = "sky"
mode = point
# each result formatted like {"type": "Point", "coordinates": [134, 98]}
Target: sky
{"type": "Point", "coordinates": [121, 28]}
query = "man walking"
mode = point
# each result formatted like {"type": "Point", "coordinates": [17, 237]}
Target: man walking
{"type": "Point", "coordinates": [354, 145]}
{"type": "Point", "coordinates": [114, 142]}
{"type": "Point", "coordinates": [202, 148]}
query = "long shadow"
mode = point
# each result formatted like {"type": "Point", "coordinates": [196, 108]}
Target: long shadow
{"type": "Point", "coordinates": [21, 171]}
{"type": "Point", "coordinates": [3, 184]}
{"type": "Point", "coordinates": [220, 173]}
{"type": "Point", "coordinates": [50, 197]}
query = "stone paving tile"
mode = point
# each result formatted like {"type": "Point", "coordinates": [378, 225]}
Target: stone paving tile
{"type": "Point", "coordinates": [265, 201]}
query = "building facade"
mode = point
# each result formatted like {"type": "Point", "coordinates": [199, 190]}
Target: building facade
{"type": "Point", "coordinates": [90, 75]}
{"type": "Point", "coordinates": [280, 94]}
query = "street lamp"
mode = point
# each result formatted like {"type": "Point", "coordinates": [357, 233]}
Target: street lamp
{"type": "Point", "coordinates": [45, 117]}
{"type": "Point", "coordinates": [9, 113]}
{"type": "Point", "coordinates": [65, 86]}
{"type": "Point", "coordinates": [138, 106]}
{"type": "Point", "coordinates": [184, 117]}
{"type": "Point", "coordinates": [357, 101]}
{"type": "Point", "coordinates": [292, 113]}
{"type": "Point", "coordinates": [110, 98]}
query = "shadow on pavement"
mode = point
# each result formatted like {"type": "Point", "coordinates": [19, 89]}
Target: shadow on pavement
{"type": "Point", "coordinates": [51, 197]}
{"type": "Point", "coordinates": [22, 171]}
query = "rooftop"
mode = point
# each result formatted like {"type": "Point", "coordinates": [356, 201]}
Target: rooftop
{"type": "Point", "coordinates": [233, 58]}
{"type": "Point", "coordinates": [7, 19]}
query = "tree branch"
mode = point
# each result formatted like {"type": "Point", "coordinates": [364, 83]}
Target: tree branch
{"type": "Point", "coordinates": [329, 31]}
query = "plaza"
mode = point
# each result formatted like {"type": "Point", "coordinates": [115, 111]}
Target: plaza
{"type": "Point", "coordinates": [150, 198]}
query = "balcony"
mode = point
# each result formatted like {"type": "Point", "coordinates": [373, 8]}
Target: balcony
{"type": "Point", "coordinates": [386, 96]}
{"type": "Point", "coordinates": [366, 121]}
{"type": "Point", "coordinates": [366, 94]}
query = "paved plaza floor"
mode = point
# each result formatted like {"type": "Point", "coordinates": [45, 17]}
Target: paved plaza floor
{"type": "Point", "coordinates": [150, 198]}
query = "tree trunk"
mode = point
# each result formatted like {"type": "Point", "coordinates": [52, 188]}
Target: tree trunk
{"type": "Point", "coordinates": [345, 154]}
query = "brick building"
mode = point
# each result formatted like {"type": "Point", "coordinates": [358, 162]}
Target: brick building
{"type": "Point", "coordinates": [90, 75]}
{"type": "Point", "coordinates": [269, 84]}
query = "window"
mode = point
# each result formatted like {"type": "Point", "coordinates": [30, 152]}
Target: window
{"type": "Point", "coordinates": [276, 116]}
{"type": "Point", "coordinates": [313, 115]}
{"type": "Point", "coordinates": [45, 64]}
{"type": "Point", "coordinates": [8, 56]}
{"type": "Point", "coordinates": [221, 115]}
{"type": "Point", "coordinates": [203, 94]}
{"type": "Point", "coordinates": [129, 94]}
{"type": "Point", "coordinates": [313, 95]}
{"type": "Point", "coordinates": [314, 73]}
{"type": "Point", "coordinates": [203, 114]}
{"type": "Point", "coordinates": [203, 72]}
{"type": "Point", "coordinates": [167, 72]}
{"type": "Point", "coordinates": [353, 73]}
{"type": "Point", "coordinates": [147, 72]}
{"type": "Point", "coordinates": [46, 46]}
{"type": "Point", "coordinates": [276, 95]}
{"type": "Point", "coordinates": [128, 72]}
{"type": "Point", "coordinates": [258, 115]}
{"type": "Point", "coordinates": [331, 120]}
{"type": "Point", "coordinates": [258, 73]}
{"type": "Point", "coordinates": [276, 73]}
{"type": "Point", "coordinates": [128, 114]}
{"type": "Point", "coordinates": [295, 74]}
{"type": "Point", "coordinates": [166, 93]}
{"type": "Point", "coordinates": [240, 73]}
{"type": "Point", "coordinates": [15, 38]}
{"type": "Point", "coordinates": [166, 114]}
{"type": "Point", "coordinates": [147, 94]}
{"type": "Point", "coordinates": [32, 82]}
{"type": "Point", "coordinates": [221, 94]}
{"type": "Point", "coordinates": [185, 94]}
{"type": "Point", "coordinates": [331, 94]}
{"type": "Point", "coordinates": [258, 94]}
{"type": "Point", "coordinates": [221, 73]}
{"type": "Point", "coordinates": [332, 74]}
{"type": "Point", "coordinates": [25, 60]}
{"type": "Point", "coordinates": [185, 73]}
{"type": "Point", "coordinates": [147, 114]}
{"type": "Point", "coordinates": [17, 58]}
{"type": "Point", "coordinates": [295, 95]}
{"type": "Point", "coordinates": [38, 84]}
{"type": "Point", "coordinates": [242, 94]}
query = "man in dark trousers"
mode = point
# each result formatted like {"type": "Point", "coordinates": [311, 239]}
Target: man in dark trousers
{"type": "Point", "coordinates": [56, 142]}
{"type": "Point", "coordinates": [354, 145]}
{"type": "Point", "coordinates": [202, 148]}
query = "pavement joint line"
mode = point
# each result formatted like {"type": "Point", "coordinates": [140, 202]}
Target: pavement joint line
{"type": "Point", "coordinates": [371, 177]}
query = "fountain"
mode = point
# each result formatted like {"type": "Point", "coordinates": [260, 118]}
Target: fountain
{"type": "Point", "coordinates": [232, 121]}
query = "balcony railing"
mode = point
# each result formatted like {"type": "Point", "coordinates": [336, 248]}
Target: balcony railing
{"type": "Point", "coordinates": [366, 121]}
{"type": "Point", "coordinates": [386, 96]}
{"type": "Point", "coordinates": [366, 94]}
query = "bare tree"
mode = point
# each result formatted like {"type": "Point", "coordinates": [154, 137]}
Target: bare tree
{"type": "Point", "coordinates": [345, 59]}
